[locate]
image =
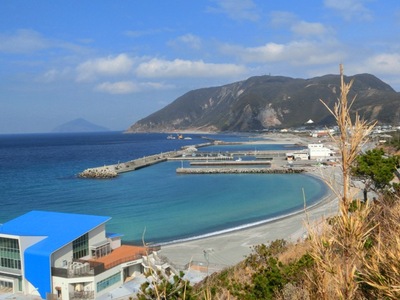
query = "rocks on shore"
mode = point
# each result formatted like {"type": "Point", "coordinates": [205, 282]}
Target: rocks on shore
{"type": "Point", "coordinates": [99, 173]}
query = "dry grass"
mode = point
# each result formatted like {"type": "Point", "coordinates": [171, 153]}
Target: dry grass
{"type": "Point", "coordinates": [294, 252]}
{"type": "Point", "coordinates": [354, 259]}
{"type": "Point", "coordinates": [381, 263]}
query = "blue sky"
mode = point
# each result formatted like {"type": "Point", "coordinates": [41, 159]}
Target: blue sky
{"type": "Point", "coordinates": [115, 62]}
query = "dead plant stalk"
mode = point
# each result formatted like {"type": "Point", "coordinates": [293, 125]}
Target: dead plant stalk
{"type": "Point", "coordinates": [335, 247]}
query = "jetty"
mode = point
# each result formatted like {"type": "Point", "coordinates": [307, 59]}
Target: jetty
{"type": "Point", "coordinates": [224, 161]}
{"type": "Point", "coordinates": [231, 163]}
{"type": "Point", "coordinates": [111, 171]}
{"type": "Point", "coordinates": [238, 171]}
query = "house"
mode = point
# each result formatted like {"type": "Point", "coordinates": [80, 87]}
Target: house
{"type": "Point", "coordinates": [61, 255]}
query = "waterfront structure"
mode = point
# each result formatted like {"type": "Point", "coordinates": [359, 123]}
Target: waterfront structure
{"type": "Point", "coordinates": [319, 151]}
{"type": "Point", "coordinates": [322, 133]}
{"type": "Point", "coordinates": [298, 155]}
{"type": "Point", "coordinates": [60, 255]}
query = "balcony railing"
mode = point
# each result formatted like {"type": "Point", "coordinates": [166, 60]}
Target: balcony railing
{"type": "Point", "coordinates": [82, 268]}
{"type": "Point", "coordinates": [10, 271]}
{"type": "Point", "coordinates": [81, 295]}
{"type": "Point", "coordinates": [122, 260]}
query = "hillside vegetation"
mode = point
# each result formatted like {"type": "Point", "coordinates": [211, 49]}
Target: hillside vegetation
{"type": "Point", "coordinates": [269, 102]}
{"type": "Point", "coordinates": [354, 255]}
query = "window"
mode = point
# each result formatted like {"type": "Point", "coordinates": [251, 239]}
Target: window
{"type": "Point", "coordinates": [6, 285]}
{"type": "Point", "coordinates": [80, 247]}
{"type": "Point", "coordinates": [101, 251]}
{"type": "Point", "coordinates": [109, 281]}
{"type": "Point", "coordinates": [9, 253]}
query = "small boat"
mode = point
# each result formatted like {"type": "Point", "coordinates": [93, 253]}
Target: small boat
{"type": "Point", "coordinates": [170, 137]}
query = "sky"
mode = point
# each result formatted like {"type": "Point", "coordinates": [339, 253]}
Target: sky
{"type": "Point", "coordinates": [113, 63]}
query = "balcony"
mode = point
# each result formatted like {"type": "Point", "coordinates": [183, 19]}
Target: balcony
{"type": "Point", "coordinates": [10, 271]}
{"type": "Point", "coordinates": [93, 267]}
{"type": "Point", "coordinates": [81, 295]}
{"type": "Point", "coordinates": [121, 255]}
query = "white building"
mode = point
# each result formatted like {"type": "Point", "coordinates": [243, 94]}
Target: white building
{"type": "Point", "coordinates": [298, 155]}
{"type": "Point", "coordinates": [60, 255]}
{"type": "Point", "coordinates": [322, 133]}
{"type": "Point", "coordinates": [319, 151]}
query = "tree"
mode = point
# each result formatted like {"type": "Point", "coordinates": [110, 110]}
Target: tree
{"type": "Point", "coordinates": [375, 169]}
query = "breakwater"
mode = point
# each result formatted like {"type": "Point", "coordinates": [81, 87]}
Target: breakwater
{"type": "Point", "coordinates": [231, 163]}
{"type": "Point", "coordinates": [111, 171]}
{"type": "Point", "coordinates": [198, 159]}
{"type": "Point", "coordinates": [238, 171]}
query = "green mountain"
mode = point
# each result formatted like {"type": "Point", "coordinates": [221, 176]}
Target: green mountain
{"type": "Point", "coordinates": [267, 102]}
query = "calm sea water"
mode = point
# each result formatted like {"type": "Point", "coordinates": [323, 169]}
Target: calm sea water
{"type": "Point", "coordinates": [38, 172]}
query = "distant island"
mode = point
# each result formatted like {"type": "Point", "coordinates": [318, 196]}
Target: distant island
{"type": "Point", "coordinates": [79, 125]}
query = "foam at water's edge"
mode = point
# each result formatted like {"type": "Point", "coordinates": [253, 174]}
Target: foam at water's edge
{"type": "Point", "coordinates": [241, 227]}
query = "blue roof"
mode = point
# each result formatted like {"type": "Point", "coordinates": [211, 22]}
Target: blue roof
{"type": "Point", "coordinates": [59, 229]}
{"type": "Point", "coordinates": [112, 235]}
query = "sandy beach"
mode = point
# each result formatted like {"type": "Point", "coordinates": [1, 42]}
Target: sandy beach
{"type": "Point", "coordinates": [220, 251]}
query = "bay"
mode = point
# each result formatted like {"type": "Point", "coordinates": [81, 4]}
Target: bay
{"type": "Point", "coordinates": [38, 172]}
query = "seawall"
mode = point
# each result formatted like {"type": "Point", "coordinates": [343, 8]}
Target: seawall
{"type": "Point", "coordinates": [238, 171]}
{"type": "Point", "coordinates": [111, 171]}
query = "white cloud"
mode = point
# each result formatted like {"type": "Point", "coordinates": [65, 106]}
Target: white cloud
{"type": "Point", "coordinates": [279, 18]}
{"type": "Point", "coordinates": [26, 41]}
{"type": "Point", "coordinates": [156, 86]}
{"type": "Point", "coordinates": [146, 32]}
{"type": "Point", "coordinates": [236, 10]}
{"type": "Point", "coordinates": [384, 63]}
{"type": "Point", "coordinates": [350, 9]}
{"type": "Point", "coordinates": [129, 87]}
{"type": "Point", "coordinates": [309, 29]}
{"type": "Point", "coordinates": [386, 66]}
{"type": "Point", "coordinates": [108, 66]}
{"type": "Point", "coordinates": [121, 87]}
{"type": "Point", "coordinates": [290, 21]}
{"type": "Point", "coordinates": [23, 41]}
{"type": "Point", "coordinates": [185, 68]}
{"type": "Point", "coordinates": [294, 53]}
{"type": "Point", "coordinates": [189, 40]}
{"type": "Point", "coordinates": [54, 74]}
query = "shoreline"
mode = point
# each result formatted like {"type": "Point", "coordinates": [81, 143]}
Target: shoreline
{"type": "Point", "coordinates": [226, 249]}
{"type": "Point", "coordinates": [326, 197]}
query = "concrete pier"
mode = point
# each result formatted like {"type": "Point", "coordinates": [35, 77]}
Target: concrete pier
{"type": "Point", "coordinates": [272, 158]}
{"type": "Point", "coordinates": [112, 171]}
{"type": "Point", "coordinates": [238, 171]}
{"type": "Point", "coordinates": [231, 163]}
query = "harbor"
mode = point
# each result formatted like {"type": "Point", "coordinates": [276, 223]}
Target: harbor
{"type": "Point", "coordinates": [227, 162]}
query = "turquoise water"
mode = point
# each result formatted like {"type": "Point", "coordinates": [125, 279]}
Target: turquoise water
{"type": "Point", "coordinates": [38, 172]}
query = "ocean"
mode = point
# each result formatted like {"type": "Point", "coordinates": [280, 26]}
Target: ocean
{"type": "Point", "coordinates": [39, 172]}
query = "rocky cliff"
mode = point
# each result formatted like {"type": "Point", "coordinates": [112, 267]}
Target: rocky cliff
{"type": "Point", "coordinates": [266, 102]}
